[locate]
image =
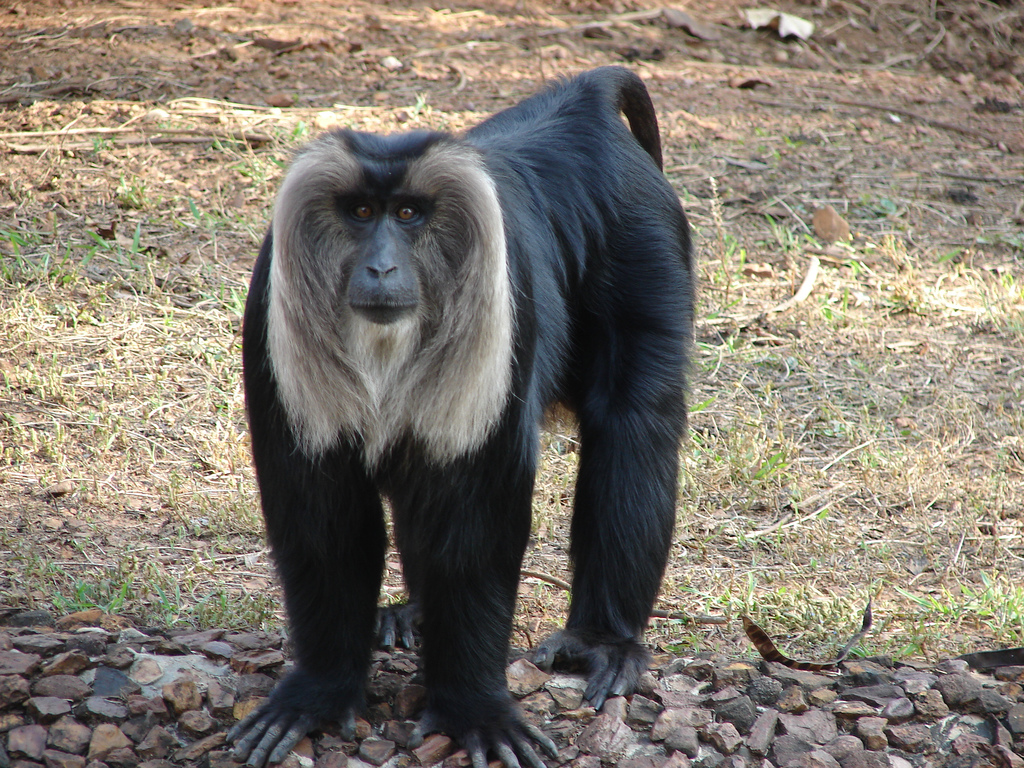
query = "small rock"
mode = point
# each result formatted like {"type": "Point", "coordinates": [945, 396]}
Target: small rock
{"type": "Point", "coordinates": [865, 759]}
{"type": "Point", "coordinates": [642, 711]}
{"type": "Point", "coordinates": [250, 686]}
{"type": "Point", "coordinates": [990, 702]}
{"type": "Point", "coordinates": [44, 645]}
{"type": "Point", "coordinates": [929, 705]}
{"type": "Point", "coordinates": [786, 748]}
{"type": "Point", "coordinates": [89, 643]}
{"type": "Point", "coordinates": [27, 741]}
{"type": "Point", "coordinates": [118, 657]}
{"type": "Point", "coordinates": [66, 663]}
{"type": "Point", "coordinates": [56, 759]}
{"type": "Point", "coordinates": [410, 700]}
{"type": "Point", "coordinates": [606, 737]}
{"type": "Point", "coordinates": [872, 732]}
{"type": "Point", "coordinates": [182, 696]}
{"type": "Point", "coordinates": [196, 722]}
{"type": "Point", "coordinates": [765, 690]}
{"type": "Point", "coordinates": [673, 718]}
{"type": "Point", "coordinates": [146, 670]}
{"type": "Point", "coordinates": [843, 745]}
{"type": "Point", "coordinates": [875, 695]}
{"type": "Point", "coordinates": [615, 706]}
{"type": "Point", "coordinates": [280, 99]}
{"type": "Point", "coordinates": [910, 738]}
{"type": "Point", "coordinates": [898, 710]}
{"type": "Point", "coordinates": [217, 649]}
{"type": "Point", "coordinates": [113, 683]}
{"type": "Point", "coordinates": [525, 677]}
{"type": "Point", "coordinates": [822, 697]}
{"type": "Point", "coordinates": [566, 690]}
{"type": "Point", "coordinates": [740, 711]}
{"type": "Point", "coordinates": [958, 690]}
{"type": "Point", "coordinates": [861, 671]}
{"type": "Point", "coordinates": [18, 663]}
{"type": "Point", "coordinates": [329, 760]}
{"type": "Point", "coordinates": [251, 662]}
{"type": "Point", "coordinates": [46, 709]}
{"type": "Point", "coordinates": [157, 744]}
{"type": "Point", "coordinates": [199, 748]}
{"type": "Point", "coordinates": [68, 735]}
{"type": "Point", "coordinates": [762, 732]}
{"type": "Point", "coordinates": [96, 708]}
{"type": "Point", "coordinates": [814, 759]}
{"type": "Point", "coordinates": [725, 737]}
{"type": "Point", "coordinates": [434, 749]}
{"type": "Point", "coordinates": [1014, 674]}
{"type": "Point", "coordinates": [814, 727]}
{"type": "Point", "coordinates": [737, 673]}
{"type": "Point", "coordinates": [220, 699]}
{"type": "Point", "coordinates": [106, 737]}
{"type": "Point", "coordinates": [14, 689]}
{"type": "Point", "coordinates": [1015, 719]}
{"type": "Point", "coordinates": [853, 709]}
{"type": "Point", "coordinates": [122, 757]}
{"type": "Point", "coordinates": [376, 751]}
{"type": "Point", "coordinates": [399, 732]}
{"type": "Point", "coordinates": [793, 700]}
{"type": "Point", "coordinates": [67, 687]}
{"type": "Point", "coordinates": [31, 619]}
{"type": "Point", "coordinates": [391, 63]}
{"type": "Point", "coordinates": [952, 666]}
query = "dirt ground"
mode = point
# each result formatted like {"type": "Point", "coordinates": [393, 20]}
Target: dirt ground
{"type": "Point", "coordinates": [864, 441]}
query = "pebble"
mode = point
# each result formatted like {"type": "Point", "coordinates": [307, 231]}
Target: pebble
{"type": "Point", "coordinates": [80, 700]}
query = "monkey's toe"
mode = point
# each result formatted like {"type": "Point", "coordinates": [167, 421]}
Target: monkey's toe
{"type": "Point", "coordinates": [614, 667]}
{"type": "Point", "coordinates": [398, 623]}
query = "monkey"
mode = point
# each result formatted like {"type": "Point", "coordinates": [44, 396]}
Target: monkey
{"type": "Point", "coordinates": [418, 302]}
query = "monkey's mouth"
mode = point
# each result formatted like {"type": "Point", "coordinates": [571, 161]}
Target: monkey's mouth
{"type": "Point", "coordinates": [383, 314]}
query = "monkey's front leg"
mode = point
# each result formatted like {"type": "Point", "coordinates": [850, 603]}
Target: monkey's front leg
{"type": "Point", "coordinates": [621, 534]}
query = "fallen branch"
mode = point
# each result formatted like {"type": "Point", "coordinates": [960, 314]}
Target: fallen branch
{"type": "Point", "coordinates": [813, 267]}
{"type": "Point", "coordinates": [35, 149]}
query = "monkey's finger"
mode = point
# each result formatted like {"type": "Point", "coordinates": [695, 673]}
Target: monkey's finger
{"type": "Point", "coordinates": [405, 625]}
{"type": "Point", "coordinates": [271, 737]}
{"type": "Point", "coordinates": [291, 737]}
{"type": "Point", "coordinates": [541, 738]}
{"type": "Point", "coordinates": [475, 747]}
{"type": "Point", "coordinates": [386, 629]}
{"type": "Point", "coordinates": [626, 680]}
{"type": "Point", "coordinates": [600, 683]}
{"type": "Point", "coordinates": [348, 725]}
{"type": "Point", "coordinates": [506, 754]}
{"type": "Point", "coordinates": [424, 727]}
{"type": "Point", "coordinates": [243, 725]}
{"type": "Point", "coordinates": [245, 745]}
{"type": "Point", "coordinates": [526, 750]}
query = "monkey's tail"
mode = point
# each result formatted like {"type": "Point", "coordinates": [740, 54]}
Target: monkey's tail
{"type": "Point", "coordinates": [629, 96]}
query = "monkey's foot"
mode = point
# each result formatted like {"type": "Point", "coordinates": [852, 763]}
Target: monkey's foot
{"type": "Point", "coordinates": [511, 740]}
{"type": "Point", "coordinates": [297, 706]}
{"type": "Point", "coordinates": [614, 666]}
{"type": "Point", "coordinates": [398, 622]}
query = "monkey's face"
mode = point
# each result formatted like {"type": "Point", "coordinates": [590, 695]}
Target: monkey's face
{"type": "Point", "coordinates": [382, 281]}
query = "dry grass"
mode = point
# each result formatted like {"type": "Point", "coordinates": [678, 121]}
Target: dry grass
{"type": "Point", "coordinates": [865, 443]}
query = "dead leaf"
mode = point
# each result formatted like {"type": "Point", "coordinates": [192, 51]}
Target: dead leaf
{"type": "Point", "coordinates": [677, 19]}
{"type": "Point", "coordinates": [271, 44]}
{"type": "Point", "coordinates": [786, 24]}
{"type": "Point", "coordinates": [760, 271]}
{"type": "Point", "coordinates": [63, 488]}
{"type": "Point", "coordinates": [749, 81]}
{"type": "Point", "coordinates": [829, 225]}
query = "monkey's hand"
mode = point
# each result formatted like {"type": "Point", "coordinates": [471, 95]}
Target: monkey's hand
{"type": "Point", "coordinates": [397, 622]}
{"type": "Point", "coordinates": [614, 666]}
{"type": "Point", "coordinates": [509, 739]}
{"type": "Point", "coordinates": [297, 705]}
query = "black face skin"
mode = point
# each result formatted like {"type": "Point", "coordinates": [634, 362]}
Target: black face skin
{"type": "Point", "coordinates": [541, 257]}
{"type": "Point", "coordinates": [383, 286]}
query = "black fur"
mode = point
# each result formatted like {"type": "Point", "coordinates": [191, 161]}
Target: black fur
{"type": "Point", "coordinates": [599, 260]}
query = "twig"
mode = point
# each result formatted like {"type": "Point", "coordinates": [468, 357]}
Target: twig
{"type": "Point", "coordinates": [35, 149]}
{"type": "Point", "coordinates": [813, 267]}
{"type": "Point", "coordinates": [954, 127]}
{"type": "Point", "coordinates": [549, 579]}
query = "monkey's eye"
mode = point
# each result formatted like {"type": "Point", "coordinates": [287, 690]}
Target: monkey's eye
{"type": "Point", "coordinates": [406, 213]}
{"type": "Point", "coordinates": [362, 211]}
